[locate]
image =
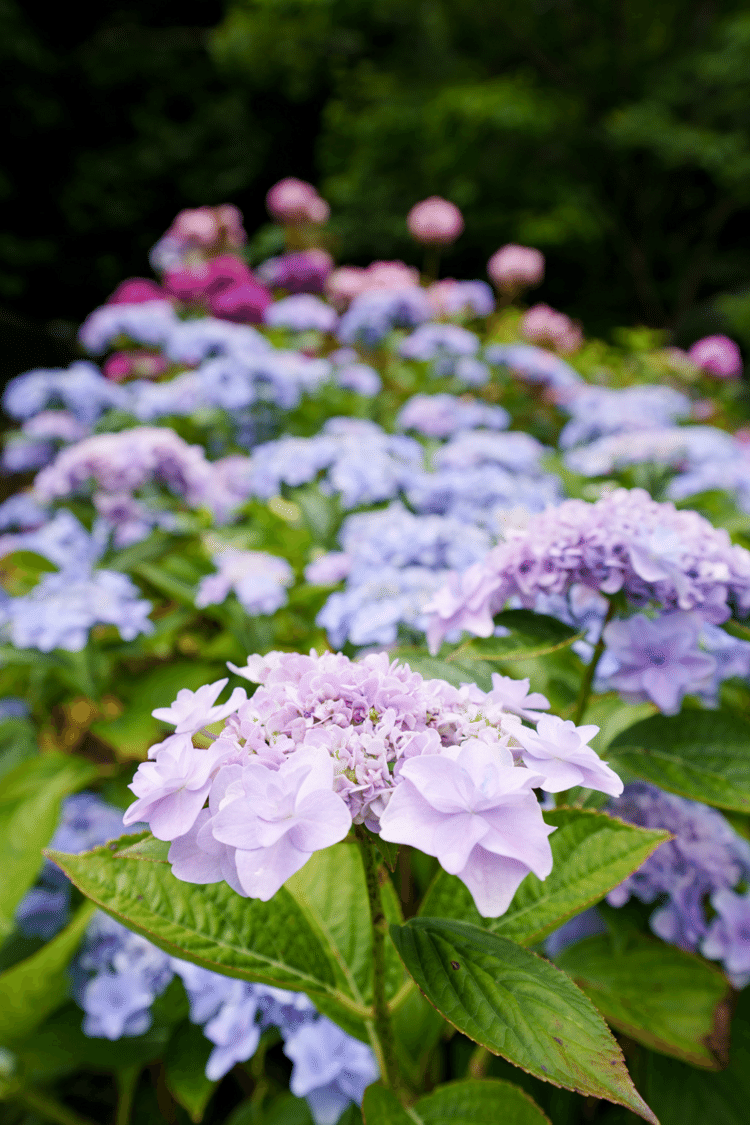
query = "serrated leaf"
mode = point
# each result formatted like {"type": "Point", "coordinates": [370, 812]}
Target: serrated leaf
{"type": "Point", "coordinates": [271, 942]}
{"type": "Point", "coordinates": [663, 997]}
{"type": "Point", "coordinates": [185, 1069]}
{"type": "Point", "coordinates": [592, 853]}
{"type": "Point", "coordinates": [704, 755]}
{"type": "Point", "coordinates": [531, 634]}
{"type": "Point", "coordinates": [32, 989]}
{"type": "Point", "coordinates": [517, 1005]}
{"type": "Point", "coordinates": [30, 798]}
{"type": "Point", "coordinates": [473, 1101]}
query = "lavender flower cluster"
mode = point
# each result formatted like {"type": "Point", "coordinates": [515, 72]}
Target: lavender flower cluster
{"type": "Point", "coordinates": [704, 863]}
{"type": "Point", "coordinates": [625, 542]}
{"type": "Point", "coordinates": [326, 743]}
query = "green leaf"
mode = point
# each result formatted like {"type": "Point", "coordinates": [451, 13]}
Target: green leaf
{"type": "Point", "coordinates": [592, 853]}
{"type": "Point", "coordinates": [380, 1106]}
{"type": "Point", "coordinates": [704, 755]}
{"type": "Point", "coordinates": [272, 942]}
{"type": "Point", "coordinates": [487, 1101]}
{"type": "Point", "coordinates": [30, 797]}
{"type": "Point", "coordinates": [21, 570]}
{"type": "Point", "coordinates": [435, 668]}
{"type": "Point", "coordinates": [531, 634]}
{"type": "Point", "coordinates": [174, 588]}
{"type": "Point", "coordinates": [661, 996]}
{"type": "Point", "coordinates": [387, 850]}
{"type": "Point", "coordinates": [331, 892]}
{"type": "Point", "coordinates": [32, 989]}
{"type": "Point", "coordinates": [185, 1066]}
{"type": "Point", "coordinates": [17, 743]}
{"type": "Point", "coordinates": [517, 1005]}
{"type": "Point", "coordinates": [146, 847]}
{"type": "Point", "coordinates": [682, 1095]}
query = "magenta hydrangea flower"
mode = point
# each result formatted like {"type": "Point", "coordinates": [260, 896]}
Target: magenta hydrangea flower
{"type": "Point", "coordinates": [659, 659]}
{"type": "Point", "coordinates": [476, 812]}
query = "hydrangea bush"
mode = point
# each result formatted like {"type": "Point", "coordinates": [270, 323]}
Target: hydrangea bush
{"type": "Point", "coordinates": [374, 675]}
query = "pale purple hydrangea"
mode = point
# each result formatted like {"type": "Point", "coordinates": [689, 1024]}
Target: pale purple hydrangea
{"type": "Point", "coordinates": [301, 313]}
{"type": "Point", "coordinates": [658, 659]}
{"type": "Point", "coordinates": [687, 449]}
{"type": "Point", "coordinates": [121, 463]}
{"type": "Point", "coordinates": [62, 608]}
{"type": "Point", "coordinates": [559, 751]}
{"type": "Point", "coordinates": [624, 542]}
{"type": "Point", "coordinates": [325, 742]}
{"type": "Point", "coordinates": [81, 389]}
{"type": "Point", "coordinates": [706, 856]}
{"type": "Point", "coordinates": [443, 415]}
{"type": "Point", "coordinates": [148, 322]}
{"type": "Point", "coordinates": [597, 412]}
{"type": "Point", "coordinates": [534, 365]}
{"type": "Point", "coordinates": [353, 375]}
{"type": "Point", "coordinates": [258, 579]}
{"type": "Point", "coordinates": [478, 814]}
{"type": "Point", "coordinates": [331, 1069]}
{"type": "Point", "coordinates": [728, 937]}
{"type": "Point", "coordinates": [374, 313]}
{"type": "Point", "coordinates": [451, 298]}
{"type": "Point", "coordinates": [439, 342]}
{"type": "Point", "coordinates": [21, 512]}
{"type": "Point", "coordinates": [192, 341]}
{"type": "Point", "coordinates": [62, 539]}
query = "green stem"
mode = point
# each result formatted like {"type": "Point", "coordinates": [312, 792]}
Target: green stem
{"type": "Point", "coordinates": [478, 1063]}
{"type": "Point", "coordinates": [127, 1080]}
{"type": "Point", "coordinates": [385, 1045]}
{"type": "Point", "coordinates": [49, 1108]}
{"type": "Point", "coordinates": [588, 678]}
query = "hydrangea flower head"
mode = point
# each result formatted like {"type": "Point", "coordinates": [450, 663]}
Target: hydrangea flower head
{"type": "Point", "coordinates": [718, 356]}
{"type": "Point", "coordinates": [435, 221]}
{"type": "Point", "coordinates": [513, 267]}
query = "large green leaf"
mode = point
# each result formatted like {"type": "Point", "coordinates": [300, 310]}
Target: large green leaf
{"type": "Point", "coordinates": [517, 1005]}
{"type": "Point", "coordinates": [704, 755]}
{"type": "Point", "coordinates": [530, 635]}
{"type": "Point", "coordinates": [487, 1101]}
{"type": "Point", "coordinates": [331, 891]}
{"type": "Point", "coordinates": [665, 998]}
{"type": "Point", "coordinates": [30, 797]}
{"type": "Point", "coordinates": [32, 989]}
{"type": "Point", "coordinates": [273, 942]}
{"type": "Point", "coordinates": [592, 853]}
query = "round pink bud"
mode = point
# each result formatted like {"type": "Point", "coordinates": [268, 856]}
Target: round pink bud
{"type": "Point", "coordinates": [117, 367]}
{"type": "Point", "coordinates": [230, 222]}
{"type": "Point", "coordinates": [391, 275]}
{"type": "Point", "coordinates": [717, 356]}
{"type": "Point", "coordinates": [544, 325]}
{"type": "Point", "coordinates": [344, 284]}
{"type": "Point", "coordinates": [135, 291]}
{"type": "Point", "coordinates": [515, 267]}
{"type": "Point", "coordinates": [435, 221]}
{"type": "Point", "coordinates": [199, 226]}
{"type": "Point", "coordinates": [293, 201]}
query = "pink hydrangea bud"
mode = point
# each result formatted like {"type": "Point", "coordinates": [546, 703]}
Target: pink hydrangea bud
{"type": "Point", "coordinates": [344, 284]}
{"type": "Point", "coordinates": [717, 356]}
{"type": "Point", "coordinates": [391, 275]}
{"type": "Point", "coordinates": [293, 201]}
{"type": "Point", "coordinates": [199, 226]}
{"type": "Point", "coordinates": [135, 291]}
{"type": "Point", "coordinates": [435, 221]}
{"type": "Point", "coordinates": [544, 325]}
{"type": "Point", "coordinates": [230, 222]}
{"type": "Point", "coordinates": [117, 367]}
{"type": "Point", "coordinates": [702, 410]}
{"type": "Point", "coordinates": [515, 267]}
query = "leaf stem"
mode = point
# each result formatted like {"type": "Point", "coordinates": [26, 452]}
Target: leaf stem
{"type": "Point", "coordinates": [127, 1080]}
{"type": "Point", "coordinates": [385, 1045]}
{"type": "Point", "coordinates": [588, 678]}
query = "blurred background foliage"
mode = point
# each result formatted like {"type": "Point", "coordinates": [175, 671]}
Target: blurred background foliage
{"type": "Point", "coordinates": [614, 136]}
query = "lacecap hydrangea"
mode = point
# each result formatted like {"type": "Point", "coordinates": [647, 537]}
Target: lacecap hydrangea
{"type": "Point", "coordinates": [326, 742]}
